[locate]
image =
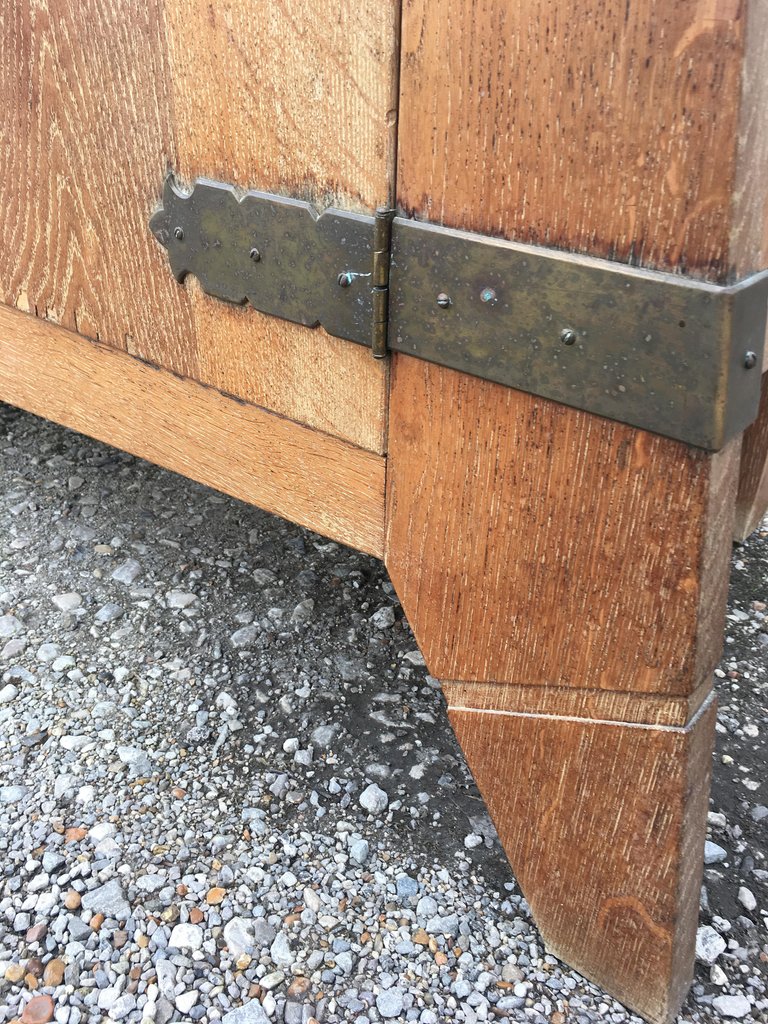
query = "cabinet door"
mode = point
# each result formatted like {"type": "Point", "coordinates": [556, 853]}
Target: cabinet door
{"type": "Point", "coordinates": [101, 98]}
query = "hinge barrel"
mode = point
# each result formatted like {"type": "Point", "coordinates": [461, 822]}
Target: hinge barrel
{"type": "Point", "coordinates": [382, 243]}
{"type": "Point", "coordinates": [658, 351]}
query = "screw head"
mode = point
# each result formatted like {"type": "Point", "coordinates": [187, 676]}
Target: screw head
{"type": "Point", "coordinates": [178, 233]}
{"type": "Point", "coordinates": [443, 300]}
{"type": "Point", "coordinates": [750, 360]}
{"type": "Point", "coordinates": [568, 337]}
{"type": "Point", "coordinates": [255, 255]}
{"type": "Point", "coordinates": [344, 280]}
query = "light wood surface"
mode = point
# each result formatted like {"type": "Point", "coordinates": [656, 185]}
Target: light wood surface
{"type": "Point", "coordinates": [306, 476]}
{"type": "Point", "coordinates": [569, 702]}
{"type": "Point", "coordinates": [603, 825]}
{"type": "Point", "coordinates": [540, 549]}
{"type": "Point", "coordinates": [101, 98]}
{"type": "Point", "coordinates": [532, 543]}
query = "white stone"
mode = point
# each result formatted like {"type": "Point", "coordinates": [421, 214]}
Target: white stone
{"type": "Point", "coordinates": [747, 898]}
{"type": "Point", "coordinates": [709, 944]}
{"type": "Point", "coordinates": [239, 936]}
{"type": "Point", "coordinates": [186, 936]}
{"type": "Point", "coordinates": [186, 1001]}
{"type": "Point", "coordinates": [280, 951]}
{"type": "Point", "coordinates": [732, 1006]}
{"type": "Point", "coordinates": [8, 693]}
{"type": "Point", "coordinates": [373, 799]}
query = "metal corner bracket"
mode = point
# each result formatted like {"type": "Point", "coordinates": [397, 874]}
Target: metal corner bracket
{"type": "Point", "coordinates": [669, 354]}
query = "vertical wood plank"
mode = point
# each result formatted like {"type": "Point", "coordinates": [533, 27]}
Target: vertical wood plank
{"type": "Point", "coordinates": [536, 544]}
{"type": "Point", "coordinates": [86, 127]}
{"type": "Point", "coordinates": [538, 548]}
{"type": "Point", "coordinates": [299, 99]}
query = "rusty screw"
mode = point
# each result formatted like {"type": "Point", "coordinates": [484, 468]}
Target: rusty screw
{"type": "Point", "coordinates": [750, 360]}
{"type": "Point", "coordinates": [178, 233]}
{"type": "Point", "coordinates": [443, 300]}
{"type": "Point", "coordinates": [255, 254]}
{"type": "Point", "coordinates": [568, 337]}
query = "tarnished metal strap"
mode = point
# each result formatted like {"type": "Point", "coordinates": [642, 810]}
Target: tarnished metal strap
{"type": "Point", "coordinates": [666, 353]}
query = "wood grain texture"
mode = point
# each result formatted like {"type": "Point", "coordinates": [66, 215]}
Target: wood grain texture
{"type": "Point", "coordinates": [589, 127]}
{"type": "Point", "coordinates": [101, 98]}
{"type": "Point", "coordinates": [604, 825]}
{"type": "Point", "coordinates": [752, 496]}
{"type": "Point", "coordinates": [295, 98]}
{"type": "Point", "coordinates": [569, 702]}
{"type": "Point", "coordinates": [536, 544]}
{"type": "Point", "coordinates": [86, 131]}
{"type": "Point", "coordinates": [306, 476]}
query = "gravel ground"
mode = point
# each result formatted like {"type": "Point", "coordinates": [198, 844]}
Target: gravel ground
{"type": "Point", "coordinates": [229, 791]}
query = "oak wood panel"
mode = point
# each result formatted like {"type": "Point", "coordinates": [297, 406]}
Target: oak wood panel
{"type": "Point", "coordinates": [86, 132]}
{"type": "Point", "coordinates": [295, 98]}
{"type": "Point", "coordinates": [752, 496]}
{"type": "Point", "coordinates": [537, 544]}
{"type": "Point", "coordinates": [604, 825]}
{"type": "Point", "coordinates": [750, 241]}
{"type": "Point", "coordinates": [568, 702]}
{"type": "Point", "coordinates": [589, 126]}
{"type": "Point", "coordinates": [294, 471]}
{"type": "Point", "coordinates": [101, 98]}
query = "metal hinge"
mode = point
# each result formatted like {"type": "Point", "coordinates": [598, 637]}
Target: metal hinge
{"type": "Point", "coordinates": [669, 354]}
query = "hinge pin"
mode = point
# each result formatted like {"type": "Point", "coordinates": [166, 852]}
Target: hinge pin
{"type": "Point", "coordinates": [382, 238]}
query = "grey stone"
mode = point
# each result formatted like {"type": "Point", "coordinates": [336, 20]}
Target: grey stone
{"type": "Point", "coordinates": [448, 925]}
{"type": "Point", "coordinates": [374, 800]}
{"type": "Point", "coordinates": [709, 944]}
{"type": "Point", "coordinates": [128, 572]}
{"type": "Point", "coordinates": [359, 851]}
{"type": "Point", "coordinates": [747, 898]}
{"type": "Point", "coordinates": [239, 936]}
{"type": "Point", "coordinates": [248, 1013]}
{"type": "Point", "coordinates": [8, 693]}
{"type": "Point", "coordinates": [384, 617]}
{"type": "Point", "coordinates": [109, 900]}
{"type": "Point", "coordinates": [714, 854]}
{"type": "Point", "coordinates": [10, 625]}
{"type": "Point", "coordinates": [12, 794]}
{"type": "Point", "coordinates": [389, 1002]}
{"type": "Point", "coordinates": [280, 951]}
{"type": "Point", "coordinates": [732, 1006]}
{"type": "Point", "coordinates": [426, 907]}
{"type": "Point", "coordinates": [166, 978]}
{"type": "Point", "coordinates": [108, 612]}
{"type": "Point", "coordinates": [245, 637]}
{"type": "Point", "coordinates": [323, 736]}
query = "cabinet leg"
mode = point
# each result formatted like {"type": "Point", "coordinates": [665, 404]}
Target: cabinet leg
{"type": "Point", "coordinates": [752, 497]}
{"type": "Point", "coordinates": [603, 823]}
{"type": "Point", "coordinates": [567, 575]}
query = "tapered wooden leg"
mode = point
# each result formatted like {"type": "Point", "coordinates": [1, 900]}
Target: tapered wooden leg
{"type": "Point", "coordinates": [752, 497]}
{"type": "Point", "coordinates": [566, 576]}
{"type": "Point", "coordinates": [604, 825]}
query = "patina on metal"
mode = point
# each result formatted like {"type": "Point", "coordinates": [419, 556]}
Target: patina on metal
{"type": "Point", "coordinates": [655, 350]}
{"type": "Point", "coordinates": [666, 353]}
{"type": "Point", "coordinates": [382, 243]}
{"type": "Point", "coordinates": [272, 251]}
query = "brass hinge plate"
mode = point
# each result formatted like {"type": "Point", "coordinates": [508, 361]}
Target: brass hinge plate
{"type": "Point", "coordinates": [666, 353]}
